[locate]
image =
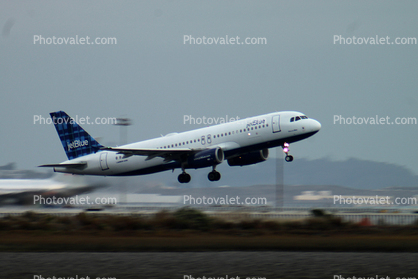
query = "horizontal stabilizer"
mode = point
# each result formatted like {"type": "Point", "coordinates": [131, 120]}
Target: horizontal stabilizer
{"type": "Point", "coordinates": [70, 165]}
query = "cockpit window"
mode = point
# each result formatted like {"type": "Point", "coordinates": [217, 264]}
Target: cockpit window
{"type": "Point", "coordinates": [297, 118]}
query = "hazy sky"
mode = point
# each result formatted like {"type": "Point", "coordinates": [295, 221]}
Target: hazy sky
{"type": "Point", "coordinates": [155, 79]}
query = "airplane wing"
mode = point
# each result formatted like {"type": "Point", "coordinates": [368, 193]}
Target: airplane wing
{"type": "Point", "coordinates": [167, 154]}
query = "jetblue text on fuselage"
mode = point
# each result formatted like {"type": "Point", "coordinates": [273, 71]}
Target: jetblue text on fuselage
{"type": "Point", "coordinates": [256, 122]}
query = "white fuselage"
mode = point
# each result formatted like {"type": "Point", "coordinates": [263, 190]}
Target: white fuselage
{"type": "Point", "coordinates": [234, 138]}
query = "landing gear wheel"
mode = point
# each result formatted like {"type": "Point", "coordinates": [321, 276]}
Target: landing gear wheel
{"type": "Point", "coordinates": [214, 176]}
{"type": "Point", "coordinates": [180, 178]}
{"type": "Point", "coordinates": [184, 177]}
{"type": "Point", "coordinates": [288, 158]}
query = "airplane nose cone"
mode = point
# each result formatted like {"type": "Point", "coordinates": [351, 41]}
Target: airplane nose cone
{"type": "Point", "coordinates": [316, 126]}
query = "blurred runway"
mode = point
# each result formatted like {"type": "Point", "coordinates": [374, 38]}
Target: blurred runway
{"type": "Point", "coordinates": [172, 265]}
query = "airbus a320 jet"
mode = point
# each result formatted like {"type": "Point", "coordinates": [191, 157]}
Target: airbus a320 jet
{"type": "Point", "coordinates": [240, 143]}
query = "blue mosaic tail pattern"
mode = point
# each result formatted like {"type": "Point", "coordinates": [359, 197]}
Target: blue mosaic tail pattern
{"type": "Point", "coordinates": [75, 140]}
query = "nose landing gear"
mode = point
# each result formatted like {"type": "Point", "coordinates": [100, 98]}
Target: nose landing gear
{"type": "Point", "coordinates": [288, 158]}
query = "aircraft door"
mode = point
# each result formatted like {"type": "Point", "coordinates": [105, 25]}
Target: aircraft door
{"type": "Point", "coordinates": [103, 161]}
{"type": "Point", "coordinates": [276, 123]}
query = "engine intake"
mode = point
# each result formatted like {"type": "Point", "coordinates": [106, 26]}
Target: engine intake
{"type": "Point", "coordinates": [249, 158]}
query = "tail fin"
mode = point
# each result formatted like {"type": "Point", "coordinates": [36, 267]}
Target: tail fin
{"type": "Point", "coordinates": [75, 140]}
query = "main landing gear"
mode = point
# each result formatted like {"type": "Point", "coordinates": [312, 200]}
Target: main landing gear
{"type": "Point", "coordinates": [288, 158]}
{"type": "Point", "coordinates": [214, 175]}
{"type": "Point", "coordinates": [184, 177]}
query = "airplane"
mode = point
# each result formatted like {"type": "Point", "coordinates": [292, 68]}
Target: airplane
{"type": "Point", "coordinates": [240, 143]}
{"type": "Point", "coordinates": [22, 191]}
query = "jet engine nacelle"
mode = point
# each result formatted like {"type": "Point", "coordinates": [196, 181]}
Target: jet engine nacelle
{"type": "Point", "coordinates": [249, 158]}
{"type": "Point", "coordinates": [206, 158]}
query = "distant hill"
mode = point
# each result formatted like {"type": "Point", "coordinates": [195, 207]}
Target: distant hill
{"type": "Point", "coordinates": [354, 173]}
{"type": "Point", "coordinates": [9, 171]}
{"type": "Point", "coordinates": [9, 166]}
